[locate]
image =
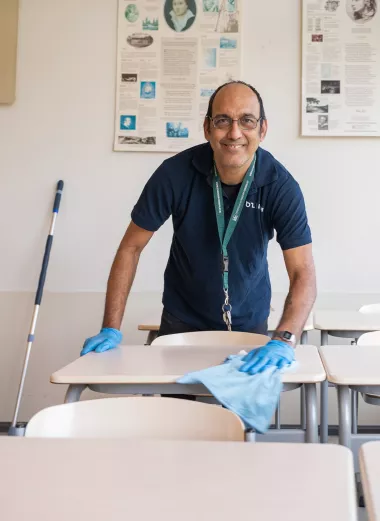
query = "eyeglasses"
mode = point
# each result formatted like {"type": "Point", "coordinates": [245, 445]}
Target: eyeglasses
{"type": "Point", "coordinates": [225, 122]}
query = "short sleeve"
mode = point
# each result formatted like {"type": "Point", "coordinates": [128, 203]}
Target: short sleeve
{"type": "Point", "coordinates": [155, 203]}
{"type": "Point", "coordinates": [289, 216]}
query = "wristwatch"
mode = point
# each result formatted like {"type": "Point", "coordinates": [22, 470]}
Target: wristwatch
{"type": "Point", "coordinates": [287, 336]}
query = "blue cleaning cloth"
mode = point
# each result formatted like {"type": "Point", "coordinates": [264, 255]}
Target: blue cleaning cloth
{"type": "Point", "coordinates": [252, 397]}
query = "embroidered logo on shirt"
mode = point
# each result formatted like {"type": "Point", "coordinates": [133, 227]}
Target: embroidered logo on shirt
{"type": "Point", "coordinates": [255, 206]}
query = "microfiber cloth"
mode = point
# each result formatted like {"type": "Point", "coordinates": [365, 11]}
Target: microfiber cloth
{"type": "Point", "coordinates": [252, 397]}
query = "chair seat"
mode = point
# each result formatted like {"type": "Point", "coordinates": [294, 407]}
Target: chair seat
{"type": "Point", "coordinates": [373, 399]}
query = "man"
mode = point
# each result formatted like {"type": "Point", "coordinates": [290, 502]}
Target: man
{"type": "Point", "coordinates": [214, 265]}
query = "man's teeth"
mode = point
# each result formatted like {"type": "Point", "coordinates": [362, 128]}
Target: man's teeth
{"type": "Point", "coordinates": [233, 146]}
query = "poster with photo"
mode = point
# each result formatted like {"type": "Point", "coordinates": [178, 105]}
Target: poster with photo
{"type": "Point", "coordinates": [171, 56]}
{"type": "Point", "coordinates": [341, 68]}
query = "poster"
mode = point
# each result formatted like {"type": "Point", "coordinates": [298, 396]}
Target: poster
{"type": "Point", "coordinates": [171, 56]}
{"type": "Point", "coordinates": [341, 68]}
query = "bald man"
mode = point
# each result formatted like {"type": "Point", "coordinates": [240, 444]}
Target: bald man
{"type": "Point", "coordinates": [226, 198]}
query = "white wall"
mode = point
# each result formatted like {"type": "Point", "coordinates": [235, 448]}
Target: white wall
{"type": "Point", "coordinates": [61, 126]}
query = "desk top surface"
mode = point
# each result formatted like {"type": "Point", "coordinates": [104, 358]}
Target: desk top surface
{"type": "Point", "coordinates": [351, 365]}
{"type": "Point", "coordinates": [152, 323]}
{"type": "Point", "coordinates": [346, 320]}
{"type": "Point", "coordinates": [369, 458]}
{"type": "Point", "coordinates": [165, 364]}
{"type": "Point", "coordinates": [94, 480]}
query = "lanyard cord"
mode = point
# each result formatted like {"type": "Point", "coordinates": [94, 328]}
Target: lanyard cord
{"type": "Point", "coordinates": [226, 234]}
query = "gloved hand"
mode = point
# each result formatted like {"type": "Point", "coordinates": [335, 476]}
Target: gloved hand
{"type": "Point", "coordinates": [274, 353]}
{"type": "Point", "coordinates": [108, 338]}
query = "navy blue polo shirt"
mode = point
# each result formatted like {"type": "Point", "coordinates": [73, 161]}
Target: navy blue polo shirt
{"type": "Point", "coordinates": [193, 290]}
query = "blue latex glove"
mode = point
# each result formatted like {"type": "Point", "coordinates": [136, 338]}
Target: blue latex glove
{"type": "Point", "coordinates": [274, 354]}
{"type": "Point", "coordinates": [108, 338]}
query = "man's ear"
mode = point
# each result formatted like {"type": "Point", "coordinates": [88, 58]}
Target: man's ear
{"type": "Point", "coordinates": [206, 128]}
{"type": "Point", "coordinates": [263, 129]}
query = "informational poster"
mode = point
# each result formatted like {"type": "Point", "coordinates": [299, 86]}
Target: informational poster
{"type": "Point", "coordinates": [171, 56]}
{"type": "Point", "coordinates": [341, 68]}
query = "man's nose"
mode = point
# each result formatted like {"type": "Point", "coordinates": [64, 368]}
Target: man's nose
{"type": "Point", "coordinates": [235, 131]}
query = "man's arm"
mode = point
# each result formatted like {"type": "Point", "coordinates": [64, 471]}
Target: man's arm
{"type": "Point", "coordinates": [302, 289]}
{"type": "Point", "coordinates": [123, 273]}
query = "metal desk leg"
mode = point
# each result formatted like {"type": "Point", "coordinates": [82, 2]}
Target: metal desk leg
{"type": "Point", "coordinates": [344, 415]}
{"type": "Point", "coordinates": [74, 392]}
{"type": "Point", "coordinates": [324, 411]}
{"type": "Point", "coordinates": [152, 335]}
{"type": "Point", "coordinates": [354, 411]}
{"type": "Point", "coordinates": [324, 398]}
{"type": "Point", "coordinates": [278, 416]}
{"type": "Point", "coordinates": [303, 408]}
{"type": "Point", "coordinates": [354, 405]}
{"type": "Point", "coordinates": [311, 413]}
{"type": "Point", "coordinates": [304, 340]}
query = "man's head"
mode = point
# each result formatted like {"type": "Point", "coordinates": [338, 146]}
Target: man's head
{"type": "Point", "coordinates": [235, 142]}
{"type": "Point", "coordinates": [180, 7]}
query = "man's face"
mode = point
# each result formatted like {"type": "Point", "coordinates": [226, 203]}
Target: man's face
{"type": "Point", "coordinates": [179, 7]}
{"type": "Point", "coordinates": [234, 147]}
{"type": "Point", "coordinates": [357, 5]}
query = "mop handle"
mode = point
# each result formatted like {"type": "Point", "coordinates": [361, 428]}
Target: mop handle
{"type": "Point", "coordinates": [38, 299]}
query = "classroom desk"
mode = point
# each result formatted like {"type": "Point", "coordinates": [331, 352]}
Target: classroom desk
{"type": "Point", "coordinates": [343, 324]}
{"type": "Point", "coordinates": [152, 325]}
{"type": "Point", "coordinates": [155, 369]}
{"type": "Point", "coordinates": [97, 480]}
{"type": "Point", "coordinates": [369, 459]}
{"type": "Point", "coordinates": [355, 368]}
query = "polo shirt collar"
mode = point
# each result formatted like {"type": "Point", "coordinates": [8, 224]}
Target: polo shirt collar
{"type": "Point", "coordinates": [265, 165]}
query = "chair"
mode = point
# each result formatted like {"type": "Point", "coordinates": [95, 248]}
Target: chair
{"type": "Point", "coordinates": [219, 338]}
{"type": "Point", "coordinates": [137, 417]}
{"type": "Point", "coordinates": [370, 308]}
{"type": "Point", "coordinates": [370, 339]}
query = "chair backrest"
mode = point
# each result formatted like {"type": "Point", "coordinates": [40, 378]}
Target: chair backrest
{"type": "Point", "coordinates": [370, 308]}
{"type": "Point", "coordinates": [369, 339]}
{"type": "Point", "coordinates": [137, 417]}
{"type": "Point", "coordinates": [212, 338]}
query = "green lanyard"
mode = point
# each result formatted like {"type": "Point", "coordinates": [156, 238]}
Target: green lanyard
{"type": "Point", "coordinates": [226, 234]}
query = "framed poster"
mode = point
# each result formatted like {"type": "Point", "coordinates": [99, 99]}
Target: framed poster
{"type": "Point", "coordinates": [171, 56]}
{"type": "Point", "coordinates": [340, 68]}
{"type": "Point", "coordinates": [8, 49]}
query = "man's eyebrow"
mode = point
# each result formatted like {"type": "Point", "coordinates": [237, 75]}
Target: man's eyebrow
{"type": "Point", "coordinates": [221, 116]}
{"type": "Point", "coordinates": [245, 115]}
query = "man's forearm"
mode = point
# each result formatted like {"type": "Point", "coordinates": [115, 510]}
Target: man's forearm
{"type": "Point", "coordinates": [119, 285]}
{"type": "Point", "coordinates": [298, 303]}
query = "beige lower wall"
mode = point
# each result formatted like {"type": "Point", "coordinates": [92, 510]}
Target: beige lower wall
{"type": "Point", "coordinates": [66, 319]}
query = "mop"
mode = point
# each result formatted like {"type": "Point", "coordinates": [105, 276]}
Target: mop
{"type": "Point", "coordinates": [18, 429]}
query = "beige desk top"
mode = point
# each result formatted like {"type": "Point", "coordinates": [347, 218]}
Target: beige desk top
{"type": "Point", "coordinates": [152, 324]}
{"type": "Point", "coordinates": [165, 364]}
{"type": "Point", "coordinates": [369, 458]}
{"type": "Point", "coordinates": [352, 365]}
{"type": "Point", "coordinates": [330, 320]}
{"type": "Point", "coordinates": [113, 480]}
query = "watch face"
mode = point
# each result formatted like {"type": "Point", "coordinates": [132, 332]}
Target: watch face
{"type": "Point", "coordinates": [287, 335]}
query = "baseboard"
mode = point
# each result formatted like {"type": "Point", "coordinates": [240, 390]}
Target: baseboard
{"type": "Point", "coordinates": [333, 429]}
